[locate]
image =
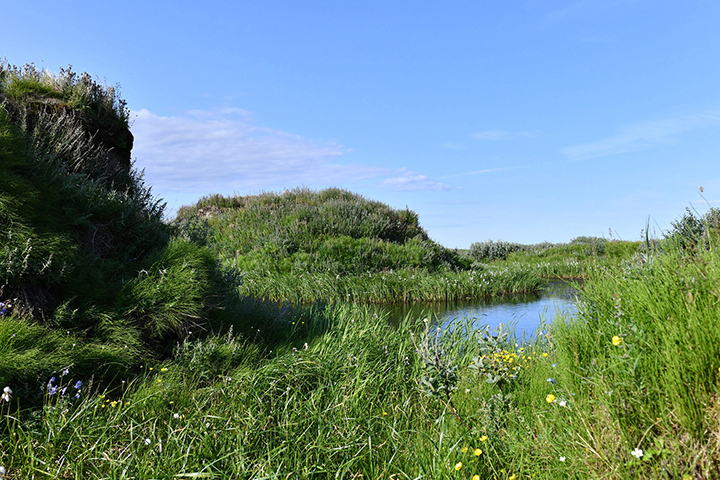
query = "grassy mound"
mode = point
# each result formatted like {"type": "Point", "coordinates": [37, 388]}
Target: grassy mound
{"type": "Point", "coordinates": [89, 274]}
{"type": "Point", "coordinates": [333, 245]}
{"type": "Point", "coordinates": [332, 231]}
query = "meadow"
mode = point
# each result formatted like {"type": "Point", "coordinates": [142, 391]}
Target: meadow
{"type": "Point", "coordinates": [240, 340]}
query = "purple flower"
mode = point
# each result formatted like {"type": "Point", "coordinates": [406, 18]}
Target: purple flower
{"type": "Point", "coordinates": [52, 391]}
{"type": "Point", "coordinates": [78, 385]}
{"type": "Point", "coordinates": [65, 372]}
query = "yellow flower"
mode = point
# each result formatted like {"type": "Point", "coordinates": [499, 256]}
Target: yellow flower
{"type": "Point", "coordinates": [163, 369]}
{"type": "Point", "coordinates": [465, 449]}
{"type": "Point", "coordinates": [478, 452]}
{"type": "Point", "coordinates": [458, 466]}
{"type": "Point", "coordinates": [544, 354]}
{"type": "Point", "coordinates": [113, 403]}
{"type": "Point", "coordinates": [384, 413]}
{"type": "Point", "coordinates": [550, 398]}
{"type": "Point", "coordinates": [511, 477]}
{"type": "Point", "coordinates": [616, 340]}
{"type": "Point", "coordinates": [483, 438]}
{"type": "Point", "coordinates": [476, 477]}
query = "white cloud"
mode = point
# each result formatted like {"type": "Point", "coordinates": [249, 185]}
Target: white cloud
{"type": "Point", "coordinates": [408, 180]}
{"type": "Point", "coordinates": [641, 136]}
{"type": "Point", "coordinates": [222, 150]}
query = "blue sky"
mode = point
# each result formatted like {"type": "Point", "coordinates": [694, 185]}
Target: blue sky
{"type": "Point", "coordinates": [524, 121]}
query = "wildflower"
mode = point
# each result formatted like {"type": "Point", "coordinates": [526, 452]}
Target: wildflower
{"type": "Point", "coordinates": [52, 390]}
{"type": "Point", "coordinates": [638, 453]}
{"type": "Point", "coordinates": [562, 459]}
{"type": "Point", "coordinates": [148, 441]}
{"type": "Point", "coordinates": [478, 452]}
{"type": "Point", "coordinates": [458, 466]}
{"type": "Point", "coordinates": [511, 477]}
{"type": "Point", "coordinates": [78, 385]}
{"type": "Point", "coordinates": [616, 340]}
{"type": "Point", "coordinates": [163, 369]}
{"type": "Point", "coordinates": [65, 372]}
{"type": "Point", "coordinates": [2, 472]}
{"type": "Point", "coordinates": [483, 438]}
{"type": "Point", "coordinates": [544, 354]}
{"type": "Point", "coordinates": [465, 449]}
{"type": "Point", "coordinates": [176, 415]}
{"type": "Point", "coordinates": [562, 403]}
{"type": "Point", "coordinates": [550, 398]}
{"type": "Point", "coordinates": [551, 380]}
{"type": "Point", "coordinates": [113, 403]}
{"type": "Point", "coordinates": [554, 365]}
{"type": "Point", "coordinates": [476, 477]}
{"type": "Point", "coordinates": [7, 394]}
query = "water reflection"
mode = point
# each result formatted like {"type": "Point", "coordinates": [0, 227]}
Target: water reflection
{"type": "Point", "coordinates": [525, 312]}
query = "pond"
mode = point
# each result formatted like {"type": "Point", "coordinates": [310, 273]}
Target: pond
{"type": "Point", "coordinates": [524, 312]}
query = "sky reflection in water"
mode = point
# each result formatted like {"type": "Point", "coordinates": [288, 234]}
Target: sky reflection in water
{"type": "Point", "coordinates": [525, 312]}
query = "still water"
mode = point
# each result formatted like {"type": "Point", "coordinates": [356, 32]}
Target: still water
{"type": "Point", "coordinates": [524, 312]}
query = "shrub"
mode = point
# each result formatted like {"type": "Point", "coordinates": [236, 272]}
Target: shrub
{"type": "Point", "coordinates": [490, 250]}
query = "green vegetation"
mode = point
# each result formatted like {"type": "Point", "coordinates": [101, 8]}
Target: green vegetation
{"type": "Point", "coordinates": [574, 260]}
{"type": "Point", "coordinates": [238, 342]}
{"type": "Point", "coordinates": [89, 275]}
{"type": "Point", "coordinates": [304, 246]}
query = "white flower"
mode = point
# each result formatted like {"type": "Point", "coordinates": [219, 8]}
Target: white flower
{"type": "Point", "coordinates": [562, 459]}
{"type": "Point", "coordinates": [563, 403]}
{"type": "Point", "coordinates": [148, 441]}
{"type": "Point", "coordinates": [176, 415]}
{"type": "Point", "coordinates": [6, 394]}
{"type": "Point", "coordinates": [637, 453]}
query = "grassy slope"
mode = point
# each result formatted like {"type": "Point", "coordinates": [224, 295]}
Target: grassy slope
{"type": "Point", "coordinates": [89, 276]}
{"type": "Point", "coordinates": [333, 245]}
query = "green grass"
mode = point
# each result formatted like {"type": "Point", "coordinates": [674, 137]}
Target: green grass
{"type": "Point", "coordinates": [304, 246]}
{"type": "Point", "coordinates": [237, 343]}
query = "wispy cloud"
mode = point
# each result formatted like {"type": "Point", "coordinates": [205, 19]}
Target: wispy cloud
{"type": "Point", "coordinates": [641, 136]}
{"type": "Point", "coordinates": [223, 150]}
{"type": "Point", "coordinates": [407, 180]}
